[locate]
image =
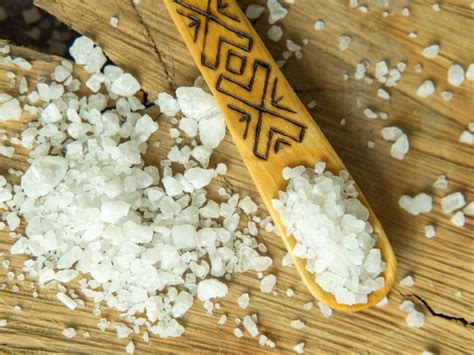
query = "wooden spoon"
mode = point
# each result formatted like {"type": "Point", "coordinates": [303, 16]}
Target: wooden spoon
{"type": "Point", "coordinates": [270, 126]}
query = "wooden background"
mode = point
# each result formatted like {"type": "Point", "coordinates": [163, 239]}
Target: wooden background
{"type": "Point", "coordinates": [146, 44]}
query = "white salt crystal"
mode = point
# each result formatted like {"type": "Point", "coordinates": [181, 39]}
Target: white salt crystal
{"type": "Point", "coordinates": [456, 75]}
{"type": "Point", "coordinates": [430, 231]}
{"type": "Point", "coordinates": [452, 202]}
{"type": "Point", "coordinates": [469, 209]}
{"type": "Point", "coordinates": [43, 175]}
{"type": "Point", "coordinates": [436, 7]}
{"type": "Point", "coordinates": [254, 11]}
{"type": "Point", "coordinates": [184, 236]}
{"type": "Point", "coordinates": [247, 205]}
{"type": "Point", "coordinates": [407, 306]}
{"type": "Point", "coordinates": [243, 300]}
{"type": "Point", "coordinates": [69, 333]}
{"type": "Point", "coordinates": [114, 21]}
{"type": "Point", "coordinates": [189, 126]}
{"type": "Point", "coordinates": [407, 281]}
{"type": "Point", "coordinates": [325, 310]}
{"type": "Point", "coordinates": [308, 306]}
{"type": "Point", "coordinates": [415, 319]}
{"type": "Point", "coordinates": [466, 137]}
{"type": "Point", "coordinates": [222, 319]}
{"type": "Point", "coordinates": [360, 71]}
{"type": "Point", "coordinates": [275, 33]}
{"type": "Point", "coordinates": [167, 103]}
{"type": "Point", "coordinates": [441, 182]}
{"type": "Point", "coordinates": [426, 89]}
{"type": "Point", "coordinates": [211, 288]}
{"type": "Point", "coordinates": [369, 113]}
{"type": "Point", "coordinates": [343, 122]}
{"type": "Point", "coordinates": [130, 348]}
{"type": "Point", "coordinates": [137, 232]}
{"type": "Point", "coordinates": [413, 34]}
{"type": "Point", "coordinates": [238, 333]}
{"type": "Point", "coordinates": [400, 148]}
{"type": "Point", "coordinates": [344, 42]}
{"type": "Point", "coordinates": [470, 72]}
{"type": "Point", "coordinates": [406, 11]}
{"type": "Point", "coordinates": [311, 104]}
{"type": "Point", "coordinates": [3, 323]}
{"type": "Point", "coordinates": [125, 85]}
{"type": "Point", "coordinates": [431, 51]}
{"type": "Point", "coordinates": [458, 219]}
{"type": "Point", "coordinates": [391, 133]}
{"type": "Point", "coordinates": [383, 94]}
{"type": "Point", "coordinates": [66, 300]}
{"type": "Point", "coordinates": [297, 324]}
{"type": "Point", "coordinates": [85, 53]}
{"type": "Point", "coordinates": [299, 348]}
{"type": "Point", "coordinates": [112, 211]}
{"type": "Point", "coordinates": [447, 95]}
{"type": "Point", "coordinates": [421, 203]}
{"type": "Point", "coordinates": [182, 304]}
{"type": "Point", "coordinates": [363, 8]}
{"type": "Point", "coordinates": [319, 25]}
{"type": "Point", "coordinates": [277, 12]}
{"type": "Point", "coordinates": [10, 109]}
{"type": "Point", "coordinates": [199, 177]}
{"type": "Point", "coordinates": [250, 326]}
{"type": "Point", "coordinates": [381, 69]}
{"type": "Point", "coordinates": [267, 284]}
{"type": "Point", "coordinates": [290, 293]}
{"type": "Point", "coordinates": [212, 131]}
{"type": "Point", "coordinates": [122, 330]}
{"type": "Point", "coordinates": [7, 151]}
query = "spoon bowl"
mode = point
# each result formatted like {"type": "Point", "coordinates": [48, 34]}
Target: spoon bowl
{"type": "Point", "coordinates": [270, 126]}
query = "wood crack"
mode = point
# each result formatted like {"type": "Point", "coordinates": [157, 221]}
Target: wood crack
{"type": "Point", "coordinates": [430, 309]}
{"type": "Point", "coordinates": [169, 74]}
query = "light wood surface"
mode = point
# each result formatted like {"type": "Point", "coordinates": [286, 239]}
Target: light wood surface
{"type": "Point", "coordinates": [442, 267]}
{"type": "Point", "coordinates": [270, 126]}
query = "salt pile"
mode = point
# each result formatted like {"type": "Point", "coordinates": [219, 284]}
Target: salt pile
{"type": "Point", "coordinates": [150, 241]}
{"type": "Point", "coordinates": [322, 212]}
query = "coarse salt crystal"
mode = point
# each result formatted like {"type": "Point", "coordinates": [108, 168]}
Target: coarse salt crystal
{"type": "Point", "coordinates": [400, 148]}
{"type": "Point", "coordinates": [275, 33]}
{"type": "Point", "coordinates": [441, 182]}
{"type": "Point", "coordinates": [407, 281]}
{"type": "Point", "coordinates": [254, 11]}
{"type": "Point", "coordinates": [466, 137]}
{"type": "Point", "coordinates": [383, 94]}
{"type": "Point", "coordinates": [277, 12]}
{"type": "Point", "coordinates": [325, 310]}
{"type": "Point", "coordinates": [430, 231]}
{"type": "Point", "coordinates": [69, 333]}
{"type": "Point", "coordinates": [431, 51]}
{"type": "Point", "coordinates": [415, 319]}
{"type": "Point", "coordinates": [211, 288]}
{"type": "Point", "coordinates": [299, 348]}
{"type": "Point", "coordinates": [426, 89]}
{"type": "Point", "coordinates": [381, 69]}
{"type": "Point", "coordinates": [319, 25]}
{"type": "Point", "coordinates": [458, 219]}
{"type": "Point", "coordinates": [470, 72]}
{"type": "Point", "coordinates": [125, 85]}
{"type": "Point", "coordinates": [267, 284]}
{"type": "Point", "coordinates": [344, 42]}
{"type": "Point", "coordinates": [114, 21]}
{"type": "Point", "coordinates": [469, 209]}
{"type": "Point", "coordinates": [369, 113]}
{"type": "Point", "coordinates": [456, 75]}
{"type": "Point", "coordinates": [447, 95]}
{"type": "Point", "coordinates": [406, 11]}
{"type": "Point", "coordinates": [130, 348]}
{"type": "Point", "coordinates": [421, 203]}
{"type": "Point", "coordinates": [452, 202]}
{"type": "Point", "coordinates": [66, 300]}
{"type": "Point", "coordinates": [243, 300]}
{"type": "Point", "coordinates": [382, 302]}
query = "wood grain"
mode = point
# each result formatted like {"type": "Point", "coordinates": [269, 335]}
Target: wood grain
{"type": "Point", "coordinates": [441, 267]}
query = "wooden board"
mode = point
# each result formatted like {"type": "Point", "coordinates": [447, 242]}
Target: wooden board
{"type": "Point", "coordinates": [441, 267]}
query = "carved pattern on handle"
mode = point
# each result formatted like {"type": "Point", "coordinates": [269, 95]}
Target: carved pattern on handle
{"type": "Point", "coordinates": [249, 81]}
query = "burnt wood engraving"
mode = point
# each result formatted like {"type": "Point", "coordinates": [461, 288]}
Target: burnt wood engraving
{"type": "Point", "coordinates": [250, 82]}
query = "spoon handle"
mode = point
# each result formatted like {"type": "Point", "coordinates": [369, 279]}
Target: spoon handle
{"type": "Point", "coordinates": [269, 124]}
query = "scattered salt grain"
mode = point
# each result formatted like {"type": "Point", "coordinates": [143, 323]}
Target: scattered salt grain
{"type": "Point", "coordinates": [452, 202]}
{"type": "Point", "coordinates": [7, 151]}
{"type": "Point", "coordinates": [267, 284]}
{"type": "Point", "coordinates": [381, 69]}
{"type": "Point", "coordinates": [430, 231]}
{"type": "Point", "coordinates": [407, 282]}
{"type": "Point", "coordinates": [369, 113]}
{"type": "Point", "coordinates": [114, 21]}
{"type": "Point", "coordinates": [290, 293]}
{"type": "Point", "coordinates": [415, 319]}
{"type": "Point", "coordinates": [238, 333]}
{"type": "Point", "coordinates": [391, 133]}
{"type": "Point", "coordinates": [441, 182]}
{"type": "Point", "coordinates": [130, 348]}
{"type": "Point", "coordinates": [469, 209]}
{"type": "Point", "coordinates": [436, 7]}
{"type": "Point", "coordinates": [3, 322]}
{"type": "Point", "coordinates": [458, 219]}
{"type": "Point", "coordinates": [308, 306]}
{"type": "Point", "coordinates": [254, 11]}
{"type": "Point", "coordinates": [326, 311]}
{"type": "Point", "coordinates": [470, 72]}
{"type": "Point", "coordinates": [250, 326]}
{"type": "Point", "coordinates": [299, 348]}
{"type": "Point", "coordinates": [66, 300]}
{"type": "Point", "coordinates": [277, 12]}
{"type": "Point", "coordinates": [211, 288]}
{"type": "Point", "coordinates": [343, 122]}
{"type": "Point", "coordinates": [125, 85]}
{"type": "Point", "coordinates": [406, 11]}
{"type": "Point", "coordinates": [400, 148]}
{"type": "Point", "coordinates": [447, 95]}
{"type": "Point", "coordinates": [297, 324]}
{"type": "Point", "coordinates": [466, 137]}
{"type": "Point", "coordinates": [371, 144]}
{"type": "Point", "coordinates": [456, 75]}
{"type": "Point", "coordinates": [426, 89]}
{"type": "Point", "coordinates": [412, 35]}
{"type": "Point", "coordinates": [69, 333]}
{"type": "Point", "coordinates": [421, 203]}
{"type": "Point", "coordinates": [431, 52]}
{"type": "Point", "coordinates": [407, 306]}
{"type": "Point", "coordinates": [10, 109]}
{"type": "Point", "coordinates": [344, 42]}
{"type": "Point", "coordinates": [383, 94]}
{"type": "Point", "coordinates": [363, 8]}
{"type": "Point", "coordinates": [319, 25]}
{"type": "Point", "coordinates": [311, 104]}
{"type": "Point", "coordinates": [419, 67]}
{"type": "Point", "coordinates": [243, 300]}
{"type": "Point", "coordinates": [222, 319]}
{"type": "Point", "coordinates": [275, 33]}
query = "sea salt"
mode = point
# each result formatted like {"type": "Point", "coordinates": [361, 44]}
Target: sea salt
{"type": "Point", "coordinates": [277, 12]}
{"type": "Point", "coordinates": [470, 72]}
{"type": "Point", "coordinates": [469, 209]}
{"type": "Point", "coordinates": [66, 300]}
{"type": "Point", "coordinates": [452, 202]}
{"type": "Point", "coordinates": [441, 182]}
{"type": "Point", "coordinates": [407, 281]}
{"type": "Point", "coordinates": [331, 204]}
{"type": "Point", "coordinates": [447, 95]}
{"type": "Point", "coordinates": [297, 324]}
{"type": "Point", "coordinates": [243, 300]}
{"type": "Point", "coordinates": [319, 25]}
{"type": "Point", "coordinates": [344, 42]}
{"type": "Point", "coordinates": [267, 284]}
{"type": "Point", "coordinates": [458, 219]}
{"type": "Point", "coordinates": [426, 89]}
{"type": "Point", "coordinates": [299, 348]}
{"type": "Point", "coordinates": [431, 52]}
{"type": "Point", "coordinates": [275, 33]}
{"type": "Point", "coordinates": [325, 310]}
{"type": "Point", "coordinates": [383, 302]}
{"type": "Point", "coordinates": [430, 231]}
{"type": "Point", "coordinates": [421, 203]}
{"type": "Point", "coordinates": [381, 69]}
{"type": "Point", "coordinates": [456, 75]}
{"type": "Point", "coordinates": [69, 333]}
{"type": "Point", "coordinates": [250, 326]}
{"type": "Point", "coordinates": [400, 148]}
{"type": "Point", "coordinates": [254, 11]}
